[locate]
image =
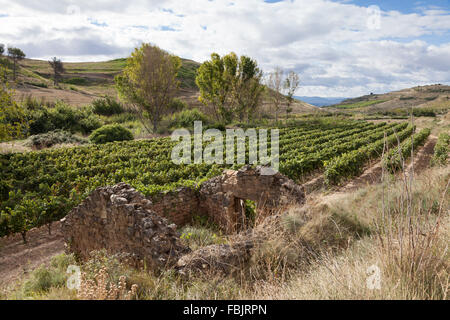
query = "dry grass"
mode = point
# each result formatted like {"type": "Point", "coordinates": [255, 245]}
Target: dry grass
{"type": "Point", "coordinates": [324, 250]}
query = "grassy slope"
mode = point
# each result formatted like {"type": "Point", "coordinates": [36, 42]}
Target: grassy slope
{"type": "Point", "coordinates": [85, 81]}
{"type": "Point", "coordinates": [436, 97]}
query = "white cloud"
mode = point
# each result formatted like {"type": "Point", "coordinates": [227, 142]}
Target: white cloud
{"type": "Point", "coordinates": [329, 43]}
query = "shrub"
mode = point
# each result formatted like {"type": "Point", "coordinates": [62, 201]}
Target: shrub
{"type": "Point", "coordinates": [46, 140]}
{"type": "Point", "coordinates": [110, 133]}
{"type": "Point", "coordinates": [107, 106]}
{"type": "Point", "coordinates": [76, 81]}
{"type": "Point", "coordinates": [186, 118]}
{"type": "Point", "coordinates": [62, 116]}
{"type": "Point", "coordinates": [177, 105]}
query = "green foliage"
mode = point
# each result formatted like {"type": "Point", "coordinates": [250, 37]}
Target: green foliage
{"type": "Point", "coordinates": [177, 105]}
{"type": "Point", "coordinates": [393, 160]}
{"type": "Point", "coordinates": [352, 163]}
{"type": "Point", "coordinates": [39, 187]}
{"type": "Point", "coordinates": [186, 118]}
{"type": "Point", "coordinates": [230, 86]}
{"type": "Point", "coordinates": [441, 150]}
{"type": "Point", "coordinates": [110, 133]}
{"type": "Point", "coordinates": [13, 122]}
{"type": "Point", "coordinates": [107, 106]}
{"type": "Point", "coordinates": [62, 116]}
{"type": "Point", "coordinates": [46, 140]}
{"type": "Point", "coordinates": [76, 81]}
{"type": "Point", "coordinates": [148, 83]}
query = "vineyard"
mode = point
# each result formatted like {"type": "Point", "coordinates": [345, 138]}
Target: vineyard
{"type": "Point", "coordinates": [37, 188]}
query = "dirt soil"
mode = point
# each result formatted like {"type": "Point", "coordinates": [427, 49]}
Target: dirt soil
{"type": "Point", "coordinates": [17, 258]}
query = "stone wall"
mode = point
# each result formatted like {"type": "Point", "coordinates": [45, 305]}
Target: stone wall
{"type": "Point", "coordinates": [178, 206]}
{"type": "Point", "coordinates": [220, 197]}
{"type": "Point", "coordinates": [120, 220]}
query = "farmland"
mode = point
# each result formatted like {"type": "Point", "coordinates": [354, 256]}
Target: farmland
{"type": "Point", "coordinates": [38, 188]}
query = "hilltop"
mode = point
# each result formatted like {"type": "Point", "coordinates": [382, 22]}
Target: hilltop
{"type": "Point", "coordinates": [432, 97]}
{"type": "Point", "coordinates": [85, 81]}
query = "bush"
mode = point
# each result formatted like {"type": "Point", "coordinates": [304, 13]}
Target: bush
{"type": "Point", "coordinates": [110, 133]}
{"type": "Point", "coordinates": [46, 140]}
{"type": "Point", "coordinates": [186, 118]}
{"type": "Point", "coordinates": [107, 106]}
{"type": "Point", "coordinates": [76, 81]}
{"type": "Point", "coordinates": [62, 116]}
{"type": "Point", "coordinates": [177, 105]}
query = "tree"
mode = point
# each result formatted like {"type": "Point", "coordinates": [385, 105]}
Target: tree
{"type": "Point", "coordinates": [15, 54]}
{"type": "Point", "coordinates": [58, 69]}
{"type": "Point", "coordinates": [2, 49]}
{"type": "Point", "coordinates": [230, 86]}
{"type": "Point", "coordinates": [291, 84]}
{"type": "Point", "coordinates": [248, 89]}
{"type": "Point", "coordinates": [13, 121]}
{"type": "Point", "coordinates": [215, 81]}
{"type": "Point", "coordinates": [149, 83]}
{"type": "Point", "coordinates": [275, 85]}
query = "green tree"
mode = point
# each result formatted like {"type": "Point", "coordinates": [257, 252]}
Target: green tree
{"type": "Point", "coordinates": [2, 49]}
{"type": "Point", "coordinates": [13, 122]}
{"type": "Point", "coordinates": [290, 85]}
{"type": "Point", "coordinates": [149, 83]}
{"type": "Point", "coordinates": [248, 89]}
{"type": "Point", "coordinates": [215, 79]}
{"type": "Point", "coordinates": [230, 86]}
{"type": "Point", "coordinates": [15, 54]}
{"type": "Point", "coordinates": [58, 69]}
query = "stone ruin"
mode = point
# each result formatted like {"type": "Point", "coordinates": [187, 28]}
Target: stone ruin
{"type": "Point", "coordinates": [221, 199]}
{"type": "Point", "coordinates": [122, 221]}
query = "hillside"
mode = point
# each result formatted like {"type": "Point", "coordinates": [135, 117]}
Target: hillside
{"type": "Point", "coordinates": [436, 97]}
{"type": "Point", "coordinates": [85, 81]}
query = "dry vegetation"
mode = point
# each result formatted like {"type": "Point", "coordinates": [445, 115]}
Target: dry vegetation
{"type": "Point", "coordinates": [324, 250]}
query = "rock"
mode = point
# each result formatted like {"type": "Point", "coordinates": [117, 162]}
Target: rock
{"type": "Point", "coordinates": [116, 219]}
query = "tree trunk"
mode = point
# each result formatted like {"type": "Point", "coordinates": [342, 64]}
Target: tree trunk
{"type": "Point", "coordinates": [49, 226]}
{"type": "Point", "coordinates": [24, 237]}
{"type": "Point", "coordinates": [155, 126]}
{"type": "Point", "coordinates": [14, 70]}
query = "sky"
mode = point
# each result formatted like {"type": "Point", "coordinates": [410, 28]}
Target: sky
{"type": "Point", "coordinates": [341, 48]}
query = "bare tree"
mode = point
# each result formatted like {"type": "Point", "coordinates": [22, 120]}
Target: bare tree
{"type": "Point", "coordinates": [15, 54]}
{"type": "Point", "coordinates": [291, 84]}
{"type": "Point", "coordinates": [58, 69]}
{"type": "Point", "coordinates": [275, 85]}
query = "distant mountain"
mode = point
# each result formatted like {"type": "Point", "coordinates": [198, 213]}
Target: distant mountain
{"type": "Point", "coordinates": [321, 101]}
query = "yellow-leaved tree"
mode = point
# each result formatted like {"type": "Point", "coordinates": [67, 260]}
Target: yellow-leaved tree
{"type": "Point", "coordinates": [13, 122]}
{"type": "Point", "coordinates": [149, 83]}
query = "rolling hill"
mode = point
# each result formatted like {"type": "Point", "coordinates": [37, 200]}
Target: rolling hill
{"type": "Point", "coordinates": [85, 81]}
{"type": "Point", "coordinates": [435, 97]}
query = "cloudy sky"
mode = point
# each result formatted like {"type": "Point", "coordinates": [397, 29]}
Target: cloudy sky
{"type": "Point", "coordinates": [340, 48]}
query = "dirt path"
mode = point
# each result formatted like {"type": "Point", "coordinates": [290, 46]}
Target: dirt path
{"type": "Point", "coordinates": [373, 174]}
{"type": "Point", "coordinates": [17, 258]}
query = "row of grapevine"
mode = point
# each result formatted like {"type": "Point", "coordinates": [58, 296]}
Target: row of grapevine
{"type": "Point", "coordinates": [441, 149]}
{"type": "Point", "coordinates": [351, 164]}
{"type": "Point", "coordinates": [37, 188]}
{"type": "Point", "coordinates": [393, 161]}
